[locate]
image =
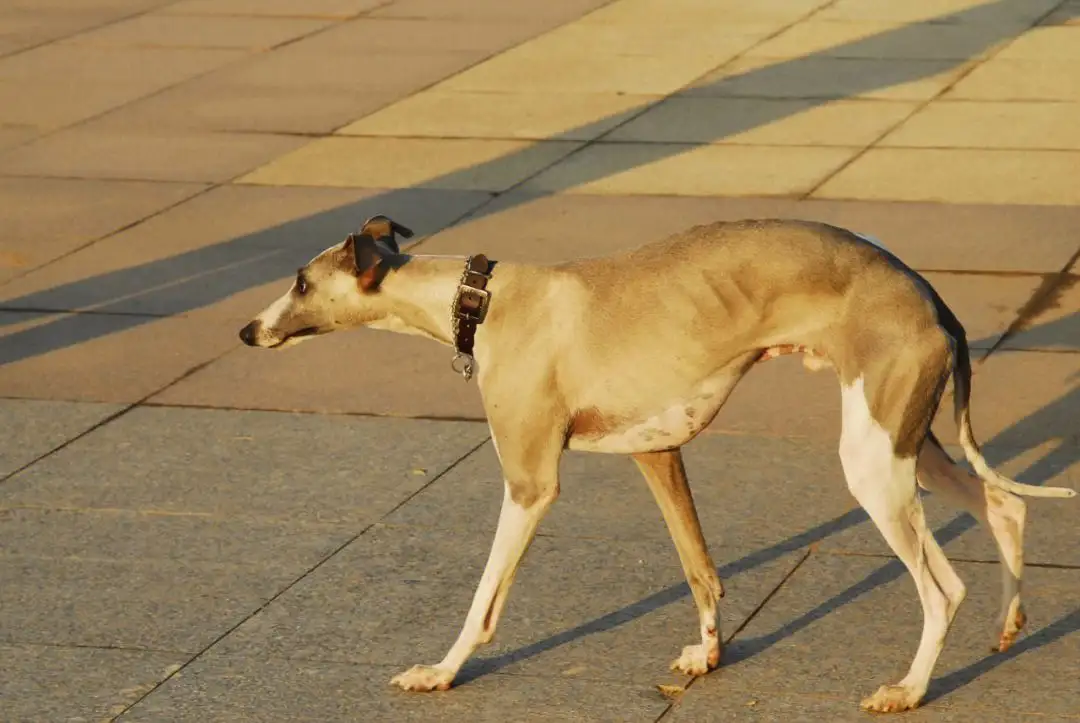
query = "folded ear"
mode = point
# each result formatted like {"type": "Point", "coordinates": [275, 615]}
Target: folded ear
{"type": "Point", "coordinates": [383, 228]}
{"type": "Point", "coordinates": [368, 260]}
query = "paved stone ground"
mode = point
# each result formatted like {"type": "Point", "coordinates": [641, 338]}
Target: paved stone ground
{"type": "Point", "coordinates": [194, 531]}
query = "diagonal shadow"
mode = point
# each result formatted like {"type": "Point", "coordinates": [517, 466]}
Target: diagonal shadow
{"type": "Point", "coordinates": [1065, 333]}
{"type": "Point", "coordinates": [198, 278]}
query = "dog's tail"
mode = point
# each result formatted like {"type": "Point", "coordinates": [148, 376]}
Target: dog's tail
{"type": "Point", "coordinates": [961, 402]}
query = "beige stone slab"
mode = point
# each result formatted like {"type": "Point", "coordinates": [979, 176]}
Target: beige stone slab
{"type": "Point", "coordinates": [939, 11]}
{"type": "Point", "coordinates": [1024, 399]}
{"type": "Point", "coordinates": [822, 77]}
{"type": "Point", "coordinates": [1056, 327]}
{"type": "Point", "coordinates": [716, 13]}
{"type": "Point", "coordinates": [335, 9]}
{"type": "Point", "coordinates": [959, 176]}
{"type": "Point", "coordinates": [305, 65]}
{"type": "Point", "coordinates": [1019, 80]}
{"type": "Point", "coordinates": [583, 71]}
{"type": "Point", "coordinates": [48, 106]}
{"type": "Point", "coordinates": [361, 372]}
{"type": "Point", "coordinates": [152, 68]}
{"type": "Point", "coordinates": [1060, 44]}
{"type": "Point", "coordinates": [205, 104]}
{"type": "Point", "coordinates": [220, 244]}
{"type": "Point", "coordinates": [85, 152]}
{"type": "Point", "coordinates": [833, 39]}
{"type": "Point", "coordinates": [654, 168]}
{"type": "Point", "coordinates": [963, 124]}
{"type": "Point", "coordinates": [927, 236]}
{"type": "Point", "coordinates": [16, 135]}
{"type": "Point", "coordinates": [1067, 13]}
{"type": "Point", "coordinates": [537, 116]}
{"type": "Point", "coordinates": [103, 358]}
{"type": "Point", "coordinates": [464, 164]}
{"type": "Point", "coordinates": [484, 33]}
{"type": "Point", "coordinates": [764, 121]}
{"type": "Point", "coordinates": [551, 11]}
{"type": "Point", "coordinates": [719, 41]}
{"type": "Point", "coordinates": [44, 219]}
{"type": "Point", "coordinates": [161, 30]}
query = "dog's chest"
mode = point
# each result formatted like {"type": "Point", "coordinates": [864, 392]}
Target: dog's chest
{"type": "Point", "coordinates": [647, 429]}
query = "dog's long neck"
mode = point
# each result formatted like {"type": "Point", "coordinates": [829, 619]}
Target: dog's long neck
{"type": "Point", "coordinates": [417, 296]}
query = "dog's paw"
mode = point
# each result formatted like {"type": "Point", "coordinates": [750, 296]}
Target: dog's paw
{"type": "Point", "coordinates": [892, 699]}
{"type": "Point", "coordinates": [424, 678]}
{"type": "Point", "coordinates": [698, 659]}
{"type": "Point", "coordinates": [1011, 630]}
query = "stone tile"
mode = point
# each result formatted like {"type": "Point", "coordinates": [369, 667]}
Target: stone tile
{"type": "Point", "coordinates": [551, 12]}
{"type": "Point", "coordinates": [1056, 327]}
{"type": "Point", "coordinates": [790, 646]}
{"type": "Point", "coordinates": [827, 38]}
{"type": "Point", "coordinates": [249, 465]}
{"type": "Point", "coordinates": [272, 689]}
{"type": "Point", "coordinates": [160, 604]}
{"type": "Point", "coordinates": [1023, 399]}
{"type": "Point", "coordinates": [331, 9]}
{"type": "Point", "coordinates": [582, 70]}
{"type": "Point", "coordinates": [192, 157]}
{"type": "Point", "coordinates": [481, 33]}
{"type": "Point", "coordinates": [633, 607]}
{"type": "Point", "coordinates": [540, 228]}
{"type": "Point", "coordinates": [461, 164]}
{"type": "Point", "coordinates": [725, 13]}
{"type": "Point", "coordinates": [42, 682]}
{"type": "Point", "coordinates": [764, 121]}
{"type": "Point", "coordinates": [986, 305]}
{"type": "Point", "coordinates": [162, 30]}
{"type": "Point", "coordinates": [29, 429]}
{"type": "Point", "coordinates": [527, 115]}
{"type": "Point", "coordinates": [1019, 80]}
{"type": "Point", "coordinates": [151, 68]}
{"type": "Point", "coordinates": [958, 176]}
{"type": "Point", "coordinates": [44, 219]}
{"type": "Point", "coordinates": [307, 66]}
{"type": "Point", "coordinates": [44, 107]}
{"type": "Point", "coordinates": [821, 77]}
{"type": "Point", "coordinates": [963, 124]}
{"type": "Point", "coordinates": [686, 170]}
{"type": "Point", "coordinates": [1000, 12]}
{"type": "Point", "coordinates": [205, 104]}
{"type": "Point", "coordinates": [88, 357]}
{"type": "Point", "coordinates": [1061, 44]}
{"type": "Point", "coordinates": [1067, 13]}
{"type": "Point", "coordinates": [135, 533]}
{"type": "Point", "coordinates": [16, 135]}
{"type": "Point", "coordinates": [247, 237]}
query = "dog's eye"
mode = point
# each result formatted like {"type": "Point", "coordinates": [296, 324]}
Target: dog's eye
{"type": "Point", "coordinates": [301, 285]}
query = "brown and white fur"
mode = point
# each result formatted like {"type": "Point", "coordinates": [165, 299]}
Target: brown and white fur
{"type": "Point", "coordinates": [635, 353]}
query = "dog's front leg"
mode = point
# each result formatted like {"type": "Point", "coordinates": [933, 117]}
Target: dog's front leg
{"type": "Point", "coordinates": [666, 476]}
{"type": "Point", "coordinates": [531, 487]}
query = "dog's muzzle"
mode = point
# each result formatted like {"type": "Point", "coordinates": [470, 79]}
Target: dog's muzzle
{"type": "Point", "coordinates": [250, 333]}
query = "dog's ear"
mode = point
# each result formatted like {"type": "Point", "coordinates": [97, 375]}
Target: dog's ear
{"type": "Point", "coordinates": [368, 260]}
{"type": "Point", "coordinates": [384, 229]}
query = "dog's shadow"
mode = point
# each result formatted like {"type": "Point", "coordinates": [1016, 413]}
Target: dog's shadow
{"type": "Point", "coordinates": [1037, 428]}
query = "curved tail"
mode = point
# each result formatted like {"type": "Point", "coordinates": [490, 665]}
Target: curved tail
{"type": "Point", "coordinates": [961, 400]}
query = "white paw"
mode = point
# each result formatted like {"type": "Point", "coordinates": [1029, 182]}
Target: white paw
{"type": "Point", "coordinates": [424, 678]}
{"type": "Point", "coordinates": [697, 659]}
{"type": "Point", "coordinates": [1011, 630]}
{"type": "Point", "coordinates": [892, 699]}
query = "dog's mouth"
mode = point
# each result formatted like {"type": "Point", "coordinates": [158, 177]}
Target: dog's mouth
{"type": "Point", "coordinates": [296, 335]}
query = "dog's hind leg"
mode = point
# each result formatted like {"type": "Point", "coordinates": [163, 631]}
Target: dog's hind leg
{"type": "Point", "coordinates": [883, 482]}
{"type": "Point", "coordinates": [666, 476]}
{"type": "Point", "coordinates": [530, 466]}
{"type": "Point", "coordinates": [1002, 512]}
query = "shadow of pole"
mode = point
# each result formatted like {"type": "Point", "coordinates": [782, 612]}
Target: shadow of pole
{"type": "Point", "coordinates": [201, 277]}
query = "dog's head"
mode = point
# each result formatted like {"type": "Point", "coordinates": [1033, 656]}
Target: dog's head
{"type": "Point", "coordinates": [335, 290]}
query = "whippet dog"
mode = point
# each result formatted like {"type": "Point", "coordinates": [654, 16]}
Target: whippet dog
{"type": "Point", "coordinates": [635, 353]}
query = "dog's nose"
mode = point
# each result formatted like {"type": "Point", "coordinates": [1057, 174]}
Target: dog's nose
{"type": "Point", "coordinates": [249, 332]}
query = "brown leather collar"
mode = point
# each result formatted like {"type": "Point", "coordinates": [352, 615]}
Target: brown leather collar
{"type": "Point", "coordinates": [469, 309]}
